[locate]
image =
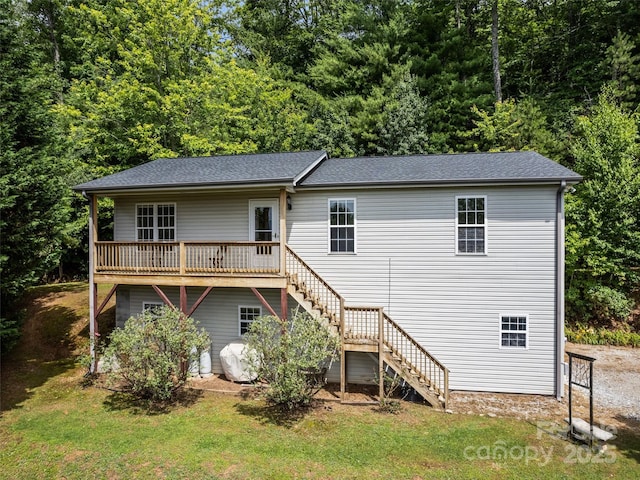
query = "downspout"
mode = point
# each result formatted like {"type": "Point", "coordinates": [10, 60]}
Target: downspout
{"type": "Point", "coordinates": [92, 297]}
{"type": "Point", "coordinates": [559, 340]}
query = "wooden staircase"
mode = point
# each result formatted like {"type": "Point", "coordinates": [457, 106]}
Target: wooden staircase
{"type": "Point", "coordinates": [367, 329]}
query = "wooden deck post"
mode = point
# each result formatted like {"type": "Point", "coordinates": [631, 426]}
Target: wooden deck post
{"type": "Point", "coordinates": [183, 259]}
{"type": "Point", "coordinates": [343, 355]}
{"type": "Point", "coordinates": [183, 299]}
{"type": "Point", "coordinates": [381, 352]}
{"type": "Point", "coordinates": [283, 231]}
{"type": "Point", "coordinates": [283, 304]}
{"type": "Point", "coordinates": [93, 236]}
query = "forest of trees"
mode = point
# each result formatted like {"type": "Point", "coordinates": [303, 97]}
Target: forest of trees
{"type": "Point", "coordinates": [90, 87]}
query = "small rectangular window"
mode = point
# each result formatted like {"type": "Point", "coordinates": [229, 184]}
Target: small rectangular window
{"type": "Point", "coordinates": [471, 226]}
{"type": "Point", "coordinates": [513, 331]}
{"type": "Point", "coordinates": [247, 315]}
{"type": "Point", "coordinates": [153, 307]}
{"type": "Point", "coordinates": [342, 226]}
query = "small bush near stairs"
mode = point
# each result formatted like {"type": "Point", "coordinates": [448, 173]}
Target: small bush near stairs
{"type": "Point", "coordinates": [292, 356]}
{"type": "Point", "coordinates": [149, 357]}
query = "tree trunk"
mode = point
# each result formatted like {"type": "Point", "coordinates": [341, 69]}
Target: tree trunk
{"type": "Point", "coordinates": [495, 52]}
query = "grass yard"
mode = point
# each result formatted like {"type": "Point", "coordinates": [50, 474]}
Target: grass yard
{"type": "Point", "coordinates": [52, 427]}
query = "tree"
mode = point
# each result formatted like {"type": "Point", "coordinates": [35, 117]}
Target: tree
{"type": "Point", "coordinates": [514, 126]}
{"type": "Point", "coordinates": [149, 356]}
{"type": "Point", "coordinates": [158, 81]}
{"type": "Point", "coordinates": [603, 216]}
{"type": "Point", "coordinates": [404, 128]}
{"type": "Point", "coordinates": [34, 201]}
{"type": "Point", "coordinates": [292, 356]}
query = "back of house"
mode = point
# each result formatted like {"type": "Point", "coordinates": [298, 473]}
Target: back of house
{"type": "Point", "coordinates": [457, 257]}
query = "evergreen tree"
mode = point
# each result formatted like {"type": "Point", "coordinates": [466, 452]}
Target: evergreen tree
{"type": "Point", "coordinates": [603, 216]}
{"type": "Point", "coordinates": [34, 203]}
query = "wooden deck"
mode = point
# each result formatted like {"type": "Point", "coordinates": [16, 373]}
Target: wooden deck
{"type": "Point", "coordinates": [190, 263]}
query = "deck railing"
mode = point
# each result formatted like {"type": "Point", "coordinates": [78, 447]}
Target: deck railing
{"type": "Point", "coordinates": [415, 358]}
{"type": "Point", "coordinates": [313, 286]}
{"type": "Point", "coordinates": [361, 323]}
{"type": "Point", "coordinates": [187, 258]}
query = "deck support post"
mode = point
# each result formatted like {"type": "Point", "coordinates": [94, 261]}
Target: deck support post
{"type": "Point", "coordinates": [93, 287]}
{"type": "Point", "coordinates": [283, 231]}
{"type": "Point", "coordinates": [381, 352]}
{"type": "Point", "coordinates": [343, 355]}
{"type": "Point", "coordinates": [183, 299]}
{"type": "Point", "coordinates": [283, 303]}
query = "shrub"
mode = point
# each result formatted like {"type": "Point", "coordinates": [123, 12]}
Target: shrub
{"type": "Point", "coordinates": [608, 304]}
{"type": "Point", "coordinates": [292, 357]}
{"type": "Point", "coordinates": [581, 333]}
{"type": "Point", "coordinates": [149, 357]}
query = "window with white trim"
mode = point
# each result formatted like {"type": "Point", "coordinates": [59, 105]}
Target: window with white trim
{"type": "Point", "coordinates": [342, 225]}
{"type": "Point", "coordinates": [152, 307]}
{"type": "Point", "coordinates": [248, 315]}
{"type": "Point", "coordinates": [471, 225]}
{"type": "Point", "coordinates": [156, 222]}
{"type": "Point", "coordinates": [514, 331]}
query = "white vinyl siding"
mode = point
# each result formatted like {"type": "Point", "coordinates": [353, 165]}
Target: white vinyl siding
{"type": "Point", "coordinates": [220, 216]}
{"type": "Point", "coordinates": [406, 262]}
{"type": "Point", "coordinates": [449, 303]}
{"type": "Point", "coordinates": [471, 225]}
{"type": "Point", "coordinates": [342, 225]}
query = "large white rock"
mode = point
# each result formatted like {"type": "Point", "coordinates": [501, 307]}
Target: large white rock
{"type": "Point", "coordinates": [235, 363]}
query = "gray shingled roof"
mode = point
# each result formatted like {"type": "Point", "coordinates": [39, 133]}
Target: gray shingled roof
{"type": "Point", "coordinates": [308, 169]}
{"type": "Point", "coordinates": [517, 167]}
{"type": "Point", "coordinates": [267, 168]}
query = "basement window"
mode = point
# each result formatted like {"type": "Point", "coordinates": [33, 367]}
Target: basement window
{"type": "Point", "coordinates": [514, 331]}
{"type": "Point", "coordinates": [248, 315]}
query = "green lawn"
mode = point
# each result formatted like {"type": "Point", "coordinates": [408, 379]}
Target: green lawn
{"type": "Point", "coordinates": [65, 431]}
{"type": "Point", "coordinates": [57, 429]}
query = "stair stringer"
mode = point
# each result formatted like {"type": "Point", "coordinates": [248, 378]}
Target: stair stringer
{"type": "Point", "coordinates": [413, 379]}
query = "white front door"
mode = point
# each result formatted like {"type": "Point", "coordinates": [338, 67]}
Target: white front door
{"type": "Point", "coordinates": [264, 223]}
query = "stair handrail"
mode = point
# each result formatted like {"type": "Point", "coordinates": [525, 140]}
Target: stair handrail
{"type": "Point", "coordinates": [317, 284]}
{"type": "Point", "coordinates": [440, 381]}
{"type": "Point", "coordinates": [433, 371]}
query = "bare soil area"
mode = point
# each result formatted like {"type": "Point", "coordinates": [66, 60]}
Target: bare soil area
{"type": "Point", "coordinates": [616, 393]}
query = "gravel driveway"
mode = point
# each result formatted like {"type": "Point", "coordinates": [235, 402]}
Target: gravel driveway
{"type": "Point", "coordinates": [616, 378]}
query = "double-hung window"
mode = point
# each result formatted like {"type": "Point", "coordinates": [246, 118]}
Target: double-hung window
{"type": "Point", "coordinates": [156, 222]}
{"type": "Point", "coordinates": [248, 315]}
{"type": "Point", "coordinates": [471, 225]}
{"type": "Point", "coordinates": [342, 225]}
{"type": "Point", "coordinates": [513, 331]}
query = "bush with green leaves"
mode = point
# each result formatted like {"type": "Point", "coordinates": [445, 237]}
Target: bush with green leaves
{"type": "Point", "coordinates": [150, 355]}
{"type": "Point", "coordinates": [292, 356]}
